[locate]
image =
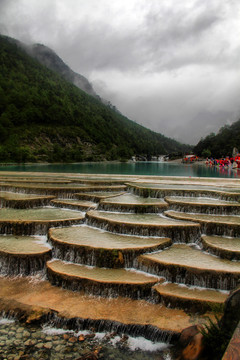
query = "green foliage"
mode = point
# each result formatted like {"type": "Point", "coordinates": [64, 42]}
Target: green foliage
{"type": "Point", "coordinates": [215, 339]}
{"type": "Point", "coordinates": [44, 117]}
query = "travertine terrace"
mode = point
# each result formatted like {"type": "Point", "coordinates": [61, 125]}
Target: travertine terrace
{"type": "Point", "coordinates": [141, 255]}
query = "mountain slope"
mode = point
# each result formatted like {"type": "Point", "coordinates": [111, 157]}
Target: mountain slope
{"type": "Point", "coordinates": [44, 117]}
{"type": "Point", "coordinates": [51, 60]}
{"type": "Point", "coordinates": [221, 144]}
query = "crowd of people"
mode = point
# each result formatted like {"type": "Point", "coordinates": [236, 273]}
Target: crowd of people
{"type": "Point", "coordinates": [224, 162]}
{"type": "Point", "coordinates": [233, 162]}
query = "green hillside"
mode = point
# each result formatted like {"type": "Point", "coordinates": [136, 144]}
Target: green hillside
{"type": "Point", "coordinates": [45, 118]}
{"type": "Point", "coordinates": [221, 144]}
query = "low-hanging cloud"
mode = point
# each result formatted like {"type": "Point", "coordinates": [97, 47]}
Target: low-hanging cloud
{"type": "Point", "coordinates": [171, 66]}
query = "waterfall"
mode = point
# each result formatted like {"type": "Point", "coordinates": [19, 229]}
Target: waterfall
{"type": "Point", "coordinates": [231, 230]}
{"type": "Point", "coordinates": [24, 265]}
{"type": "Point", "coordinates": [178, 234]}
{"type": "Point", "coordinates": [107, 289]}
{"type": "Point", "coordinates": [34, 227]}
{"type": "Point", "coordinates": [181, 275]}
{"type": "Point", "coordinates": [206, 209]}
{"type": "Point", "coordinates": [132, 208]}
{"type": "Point", "coordinates": [109, 258]}
{"type": "Point", "coordinates": [25, 203]}
{"type": "Point", "coordinates": [147, 331]}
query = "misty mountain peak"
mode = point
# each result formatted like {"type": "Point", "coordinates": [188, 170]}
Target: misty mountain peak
{"type": "Point", "coordinates": [50, 59]}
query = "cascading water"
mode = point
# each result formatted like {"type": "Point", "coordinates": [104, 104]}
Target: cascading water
{"type": "Point", "coordinates": [24, 266]}
{"type": "Point", "coordinates": [213, 210]}
{"type": "Point", "coordinates": [177, 234]}
{"type": "Point", "coordinates": [109, 258]}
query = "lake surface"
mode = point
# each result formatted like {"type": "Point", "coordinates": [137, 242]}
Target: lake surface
{"type": "Point", "coordinates": [137, 168]}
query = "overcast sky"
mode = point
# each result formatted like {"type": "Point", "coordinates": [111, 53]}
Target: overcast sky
{"type": "Point", "coordinates": [172, 66]}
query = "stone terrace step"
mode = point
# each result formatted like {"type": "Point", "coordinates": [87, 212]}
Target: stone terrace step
{"type": "Point", "coordinates": [34, 179]}
{"type": "Point", "coordinates": [44, 176]}
{"type": "Point", "coordinates": [90, 246]}
{"type": "Point", "coordinates": [60, 191]}
{"type": "Point", "coordinates": [101, 281]}
{"type": "Point", "coordinates": [184, 264]}
{"type": "Point", "coordinates": [211, 224]}
{"type": "Point", "coordinates": [36, 221]}
{"type": "Point", "coordinates": [190, 298]}
{"type": "Point", "coordinates": [37, 181]}
{"type": "Point", "coordinates": [163, 190]}
{"type": "Point", "coordinates": [145, 225]}
{"type": "Point", "coordinates": [23, 201]}
{"type": "Point", "coordinates": [74, 204]}
{"type": "Point", "coordinates": [225, 247]}
{"type": "Point", "coordinates": [99, 181]}
{"type": "Point", "coordinates": [186, 180]}
{"type": "Point", "coordinates": [97, 196]}
{"type": "Point", "coordinates": [203, 205]}
{"type": "Point", "coordinates": [22, 255]}
{"type": "Point", "coordinates": [133, 203]}
{"type": "Point", "coordinates": [106, 188]}
{"type": "Point", "coordinates": [148, 319]}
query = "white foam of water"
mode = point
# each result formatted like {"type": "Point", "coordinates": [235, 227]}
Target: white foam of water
{"type": "Point", "coordinates": [49, 330]}
{"type": "Point", "coordinates": [42, 240]}
{"type": "Point", "coordinates": [100, 336]}
{"type": "Point", "coordinates": [5, 321]}
{"type": "Point", "coordinates": [167, 357]}
{"type": "Point", "coordinates": [139, 343]}
{"type": "Point", "coordinates": [192, 287]}
{"type": "Point", "coordinates": [140, 272]}
{"type": "Point", "coordinates": [83, 332]}
{"type": "Point", "coordinates": [143, 344]}
{"type": "Point", "coordinates": [115, 340]}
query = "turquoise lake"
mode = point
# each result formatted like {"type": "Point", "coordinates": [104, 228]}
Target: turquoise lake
{"type": "Point", "coordinates": [137, 168]}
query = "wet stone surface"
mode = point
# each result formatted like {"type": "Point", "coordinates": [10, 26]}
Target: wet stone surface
{"type": "Point", "coordinates": [21, 342]}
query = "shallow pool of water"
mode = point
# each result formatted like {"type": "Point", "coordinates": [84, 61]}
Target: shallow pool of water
{"type": "Point", "coordinates": [38, 214]}
{"type": "Point", "coordinates": [31, 342]}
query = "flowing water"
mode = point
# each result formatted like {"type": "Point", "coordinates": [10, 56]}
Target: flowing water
{"type": "Point", "coordinates": [137, 168]}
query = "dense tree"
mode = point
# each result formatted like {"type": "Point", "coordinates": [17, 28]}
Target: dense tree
{"type": "Point", "coordinates": [221, 144]}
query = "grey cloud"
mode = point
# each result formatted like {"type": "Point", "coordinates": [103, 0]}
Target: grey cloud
{"type": "Point", "coordinates": [176, 24]}
{"type": "Point", "coordinates": [177, 38]}
{"type": "Point", "coordinates": [165, 39]}
{"type": "Point", "coordinates": [106, 49]}
{"type": "Point", "coordinates": [168, 43]}
{"type": "Point", "coordinates": [204, 123]}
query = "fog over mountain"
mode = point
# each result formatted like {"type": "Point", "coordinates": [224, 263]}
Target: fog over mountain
{"type": "Point", "coordinates": [50, 59]}
{"type": "Point", "coordinates": [171, 66]}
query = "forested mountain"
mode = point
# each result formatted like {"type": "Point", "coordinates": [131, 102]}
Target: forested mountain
{"type": "Point", "coordinates": [43, 117]}
{"type": "Point", "coordinates": [221, 144]}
